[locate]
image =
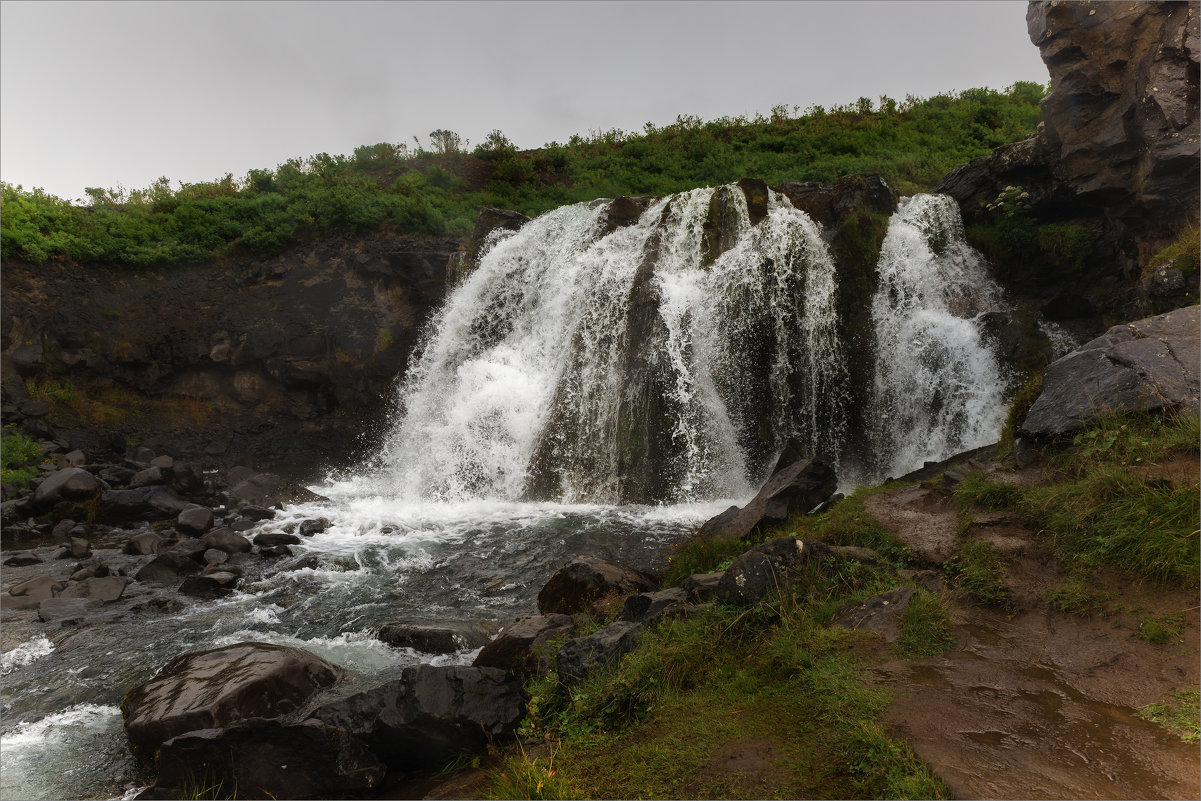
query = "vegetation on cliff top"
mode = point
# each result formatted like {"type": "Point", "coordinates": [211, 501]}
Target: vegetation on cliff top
{"type": "Point", "coordinates": [439, 191]}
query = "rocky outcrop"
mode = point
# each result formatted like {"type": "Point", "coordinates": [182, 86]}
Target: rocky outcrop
{"type": "Point", "coordinates": [1071, 215]}
{"type": "Point", "coordinates": [278, 361]}
{"type": "Point", "coordinates": [794, 490]}
{"type": "Point", "coordinates": [1145, 365]}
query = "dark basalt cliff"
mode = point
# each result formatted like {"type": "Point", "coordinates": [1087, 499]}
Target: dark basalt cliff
{"type": "Point", "coordinates": [1113, 167]}
{"type": "Point", "coordinates": [279, 362]}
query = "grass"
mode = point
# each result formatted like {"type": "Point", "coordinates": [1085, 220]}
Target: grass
{"type": "Point", "coordinates": [1161, 630]}
{"type": "Point", "coordinates": [978, 568]}
{"type": "Point", "coordinates": [19, 457]}
{"type": "Point", "coordinates": [1180, 712]}
{"type": "Point", "coordinates": [1183, 253]}
{"type": "Point", "coordinates": [1076, 597]}
{"type": "Point", "coordinates": [925, 627]}
{"type": "Point", "coordinates": [765, 702]}
{"type": "Point", "coordinates": [848, 523]}
{"type": "Point", "coordinates": [1106, 505]}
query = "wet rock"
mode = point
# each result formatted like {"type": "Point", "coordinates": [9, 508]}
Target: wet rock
{"type": "Point", "coordinates": [214, 557]}
{"type": "Point", "coordinates": [167, 568]}
{"type": "Point", "coordinates": [91, 569]}
{"type": "Point", "coordinates": [765, 569]}
{"type": "Point", "coordinates": [1145, 365]}
{"type": "Point", "coordinates": [187, 479]}
{"type": "Point", "coordinates": [702, 586]}
{"type": "Point", "coordinates": [256, 513]}
{"type": "Point", "coordinates": [483, 237]}
{"type": "Point", "coordinates": [191, 547]}
{"type": "Point", "coordinates": [70, 484]}
{"type": "Point", "coordinates": [163, 462]}
{"type": "Point", "coordinates": [795, 490]}
{"type": "Point", "coordinates": [195, 519]}
{"type": "Point", "coordinates": [210, 689]}
{"type": "Point", "coordinates": [67, 611]}
{"type": "Point", "coordinates": [116, 475]}
{"type": "Point", "coordinates": [584, 580]}
{"type": "Point", "coordinates": [242, 525]}
{"type": "Point", "coordinates": [143, 544]}
{"type": "Point", "coordinates": [262, 487]}
{"type": "Point", "coordinates": [431, 714]}
{"type": "Point", "coordinates": [434, 639]}
{"type": "Point", "coordinates": [236, 475]}
{"type": "Point", "coordinates": [270, 538]}
{"type": "Point", "coordinates": [36, 589]}
{"type": "Point", "coordinates": [228, 540]}
{"type": "Point", "coordinates": [143, 503]}
{"type": "Point", "coordinates": [22, 559]}
{"type": "Point", "coordinates": [314, 526]}
{"type": "Point", "coordinates": [151, 476]}
{"type": "Point", "coordinates": [76, 548]}
{"type": "Point", "coordinates": [648, 607]}
{"type": "Point", "coordinates": [275, 551]}
{"type": "Point", "coordinates": [580, 657]}
{"type": "Point", "coordinates": [75, 458]}
{"type": "Point", "coordinates": [524, 647]}
{"type": "Point", "coordinates": [209, 585]}
{"type": "Point", "coordinates": [276, 759]}
{"type": "Point", "coordinates": [106, 589]}
{"type": "Point", "coordinates": [881, 613]}
{"type": "Point", "coordinates": [62, 528]}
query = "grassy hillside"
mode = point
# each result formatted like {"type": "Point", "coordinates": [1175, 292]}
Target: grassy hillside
{"type": "Point", "coordinates": [438, 191]}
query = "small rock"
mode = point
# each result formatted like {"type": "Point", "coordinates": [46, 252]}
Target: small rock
{"type": "Point", "coordinates": [881, 613]}
{"type": "Point", "coordinates": [226, 539]}
{"type": "Point", "coordinates": [167, 568]}
{"type": "Point", "coordinates": [212, 585]}
{"type": "Point", "coordinates": [105, 589]}
{"type": "Point", "coordinates": [22, 559]}
{"type": "Point", "coordinates": [256, 513]}
{"type": "Point", "coordinates": [215, 557]}
{"type": "Point", "coordinates": [701, 586]}
{"type": "Point", "coordinates": [162, 462]}
{"type": "Point", "coordinates": [275, 551]}
{"type": "Point", "coordinates": [314, 526]}
{"type": "Point", "coordinates": [195, 519]}
{"type": "Point", "coordinates": [582, 656]}
{"type": "Point", "coordinates": [269, 538]}
{"type": "Point", "coordinates": [143, 544]}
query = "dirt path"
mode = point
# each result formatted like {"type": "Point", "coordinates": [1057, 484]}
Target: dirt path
{"type": "Point", "coordinates": [1039, 703]}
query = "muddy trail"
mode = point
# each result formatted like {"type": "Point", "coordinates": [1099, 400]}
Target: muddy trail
{"type": "Point", "coordinates": [1034, 702]}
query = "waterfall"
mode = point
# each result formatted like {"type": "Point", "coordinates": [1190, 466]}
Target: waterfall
{"type": "Point", "coordinates": [637, 364]}
{"type": "Point", "coordinates": [939, 388]}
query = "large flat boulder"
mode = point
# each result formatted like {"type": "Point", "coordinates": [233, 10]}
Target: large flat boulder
{"type": "Point", "coordinates": [212, 689]}
{"type": "Point", "coordinates": [431, 714]}
{"type": "Point", "coordinates": [796, 489]}
{"type": "Point", "coordinates": [69, 484]}
{"type": "Point", "coordinates": [1145, 365]}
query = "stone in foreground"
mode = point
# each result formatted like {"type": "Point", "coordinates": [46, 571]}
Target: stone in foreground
{"type": "Point", "coordinates": [211, 689]}
{"type": "Point", "coordinates": [584, 580]}
{"type": "Point", "coordinates": [793, 490]}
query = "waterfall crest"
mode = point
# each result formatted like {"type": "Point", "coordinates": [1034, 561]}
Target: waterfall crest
{"type": "Point", "coordinates": [670, 360]}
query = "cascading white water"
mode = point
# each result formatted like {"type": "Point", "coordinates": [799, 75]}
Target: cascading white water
{"type": "Point", "coordinates": [939, 388]}
{"type": "Point", "coordinates": [582, 367]}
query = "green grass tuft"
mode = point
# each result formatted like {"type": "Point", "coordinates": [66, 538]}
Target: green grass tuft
{"type": "Point", "coordinates": [978, 569]}
{"type": "Point", "coordinates": [1180, 712]}
{"type": "Point", "coordinates": [925, 628]}
{"type": "Point", "coordinates": [1161, 630]}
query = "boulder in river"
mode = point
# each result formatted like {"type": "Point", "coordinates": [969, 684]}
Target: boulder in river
{"type": "Point", "coordinates": [585, 579]}
{"type": "Point", "coordinates": [211, 689]}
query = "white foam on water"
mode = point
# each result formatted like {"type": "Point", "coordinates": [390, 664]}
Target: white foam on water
{"type": "Point", "coordinates": [25, 654]}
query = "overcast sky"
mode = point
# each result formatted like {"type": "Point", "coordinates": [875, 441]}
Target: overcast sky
{"type": "Point", "coordinates": [107, 93]}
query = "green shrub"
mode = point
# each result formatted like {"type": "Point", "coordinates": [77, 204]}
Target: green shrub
{"type": "Point", "coordinates": [978, 568]}
{"type": "Point", "coordinates": [19, 457]}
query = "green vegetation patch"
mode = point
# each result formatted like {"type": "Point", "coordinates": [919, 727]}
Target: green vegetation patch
{"type": "Point", "coordinates": [1183, 253]}
{"type": "Point", "coordinates": [848, 523]}
{"type": "Point", "coordinates": [1076, 597]}
{"type": "Point", "coordinates": [765, 702]}
{"type": "Point", "coordinates": [925, 627]}
{"type": "Point", "coordinates": [437, 189]}
{"type": "Point", "coordinates": [1180, 712]}
{"type": "Point", "coordinates": [978, 568]}
{"type": "Point", "coordinates": [19, 457]}
{"type": "Point", "coordinates": [1107, 506]}
{"type": "Point", "coordinates": [1161, 630]}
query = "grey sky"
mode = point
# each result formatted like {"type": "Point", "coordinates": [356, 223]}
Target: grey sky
{"type": "Point", "coordinates": [103, 93]}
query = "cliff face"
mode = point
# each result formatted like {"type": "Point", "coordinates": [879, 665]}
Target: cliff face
{"type": "Point", "coordinates": [281, 362]}
{"type": "Point", "coordinates": [1114, 165]}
